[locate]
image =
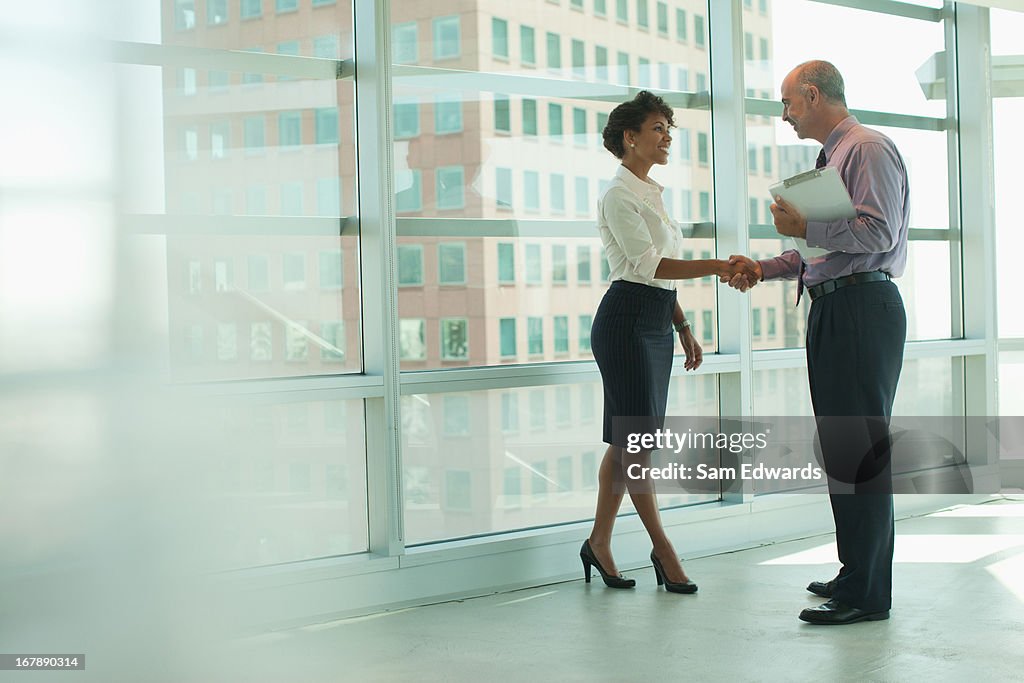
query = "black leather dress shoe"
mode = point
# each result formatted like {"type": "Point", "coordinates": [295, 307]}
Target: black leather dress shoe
{"type": "Point", "coordinates": [822, 588]}
{"type": "Point", "coordinates": [836, 613]}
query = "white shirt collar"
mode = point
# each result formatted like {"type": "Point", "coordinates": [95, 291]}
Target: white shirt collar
{"type": "Point", "coordinates": [636, 184]}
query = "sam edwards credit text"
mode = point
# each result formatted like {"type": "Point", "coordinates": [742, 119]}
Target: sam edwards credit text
{"type": "Point", "coordinates": [750, 471]}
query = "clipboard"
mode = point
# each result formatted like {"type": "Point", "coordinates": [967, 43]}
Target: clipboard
{"type": "Point", "coordinates": [819, 195]}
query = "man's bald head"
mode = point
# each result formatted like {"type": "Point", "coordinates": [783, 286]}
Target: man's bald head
{"type": "Point", "coordinates": [825, 77]}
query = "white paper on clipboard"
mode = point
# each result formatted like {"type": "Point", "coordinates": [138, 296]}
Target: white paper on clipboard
{"type": "Point", "coordinates": [819, 195]}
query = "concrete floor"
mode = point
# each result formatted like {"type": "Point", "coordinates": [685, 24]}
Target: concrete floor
{"type": "Point", "coordinates": [957, 615]}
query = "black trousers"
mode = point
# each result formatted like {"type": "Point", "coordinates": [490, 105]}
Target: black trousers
{"type": "Point", "coordinates": [855, 339]}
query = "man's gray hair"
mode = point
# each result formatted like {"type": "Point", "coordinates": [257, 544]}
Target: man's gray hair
{"type": "Point", "coordinates": [825, 77]}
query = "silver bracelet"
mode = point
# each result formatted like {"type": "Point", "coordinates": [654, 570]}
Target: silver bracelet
{"type": "Point", "coordinates": [681, 326]}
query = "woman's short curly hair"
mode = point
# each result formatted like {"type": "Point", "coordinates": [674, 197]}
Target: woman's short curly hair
{"type": "Point", "coordinates": [631, 116]}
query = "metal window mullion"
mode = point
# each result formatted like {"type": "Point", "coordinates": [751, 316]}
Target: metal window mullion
{"type": "Point", "coordinates": [729, 147]}
{"type": "Point", "coordinates": [378, 273]}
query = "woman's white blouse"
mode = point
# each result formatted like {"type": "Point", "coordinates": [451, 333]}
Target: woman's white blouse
{"type": "Point", "coordinates": [636, 230]}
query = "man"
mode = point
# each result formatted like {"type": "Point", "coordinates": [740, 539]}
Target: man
{"type": "Point", "coordinates": [855, 333]}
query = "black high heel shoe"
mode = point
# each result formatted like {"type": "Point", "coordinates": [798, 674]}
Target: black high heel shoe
{"type": "Point", "coordinates": [671, 586]}
{"type": "Point", "coordinates": [589, 560]}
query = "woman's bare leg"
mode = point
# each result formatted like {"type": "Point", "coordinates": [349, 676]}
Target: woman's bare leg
{"type": "Point", "coordinates": [608, 502]}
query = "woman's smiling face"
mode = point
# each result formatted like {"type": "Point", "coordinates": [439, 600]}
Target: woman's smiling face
{"type": "Point", "coordinates": [651, 143]}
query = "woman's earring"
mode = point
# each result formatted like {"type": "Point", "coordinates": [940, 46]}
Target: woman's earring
{"type": "Point", "coordinates": [632, 144]}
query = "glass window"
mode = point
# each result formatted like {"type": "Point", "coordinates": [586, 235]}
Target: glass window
{"type": "Point", "coordinates": [579, 67]}
{"type": "Point", "coordinates": [289, 129]}
{"type": "Point", "coordinates": [216, 12]}
{"type": "Point", "coordinates": [330, 269]}
{"type": "Point", "coordinates": [561, 328]}
{"type": "Point", "coordinates": [327, 126]}
{"type": "Point", "coordinates": [535, 335]}
{"type": "Point", "coordinates": [227, 341]}
{"type": "Point", "coordinates": [407, 119]}
{"type": "Point", "coordinates": [533, 265]}
{"type": "Point", "coordinates": [499, 38]}
{"type": "Point", "coordinates": [410, 265]}
{"type": "Point", "coordinates": [286, 5]}
{"type": "Point", "coordinates": [622, 70]}
{"type": "Point", "coordinates": [681, 33]}
{"type": "Point", "coordinates": [702, 148]}
{"type": "Point", "coordinates": [411, 339]}
{"type": "Point", "coordinates": [698, 30]}
{"type": "Point", "coordinates": [448, 115]}
{"type": "Point", "coordinates": [251, 8]}
{"type": "Point", "coordinates": [506, 262]}
{"type": "Point", "coordinates": [559, 269]}
{"type": "Point", "coordinates": [586, 322]}
{"type": "Point", "coordinates": [450, 187]}
{"type": "Point", "coordinates": [447, 37]}
{"type": "Point", "coordinates": [508, 337]}
{"type": "Point", "coordinates": [503, 191]}
{"type": "Point", "coordinates": [601, 7]}
{"type": "Point", "coordinates": [326, 47]}
{"type": "Point", "coordinates": [579, 126]}
{"type": "Point", "coordinates": [554, 42]}
{"type": "Point", "coordinates": [582, 195]}
{"type": "Point", "coordinates": [662, 19]}
{"type": "Point", "coordinates": [405, 43]}
{"type": "Point", "coordinates": [531, 191]}
{"type": "Point", "coordinates": [583, 264]}
{"type": "Point", "coordinates": [641, 14]}
{"type": "Point", "coordinates": [451, 266]}
{"type": "Point", "coordinates": [294, 271]}
{"type": "Point", "coordinates": [527, 45]}
{"type": "Point", "coordinates": [601, 63]}
{"type": "Point", "coordinates": [529, 117]}
{"type": "Point", "coordinates": [409, 195]}
{"type": "Point", "coordinates": [555, 121]}
{"type": "Point", "coordinates": [558, 193]}
{"type": "Point", "coordinates": [184, 14]}
{"type": "Point", "coordinates": [454, 339]}
{"type": "Point", "coordinates": [622, 10]}
{"type": "Point", "coordinates": [254, 133]}
{"type": "Point", "coordinates": [502, 114]}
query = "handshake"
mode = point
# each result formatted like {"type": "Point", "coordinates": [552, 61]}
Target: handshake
{"type": "Point", "coordinates": [740, 272]}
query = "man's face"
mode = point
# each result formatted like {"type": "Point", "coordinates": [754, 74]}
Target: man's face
{"type": "Point", "coordinates": [795, 109]}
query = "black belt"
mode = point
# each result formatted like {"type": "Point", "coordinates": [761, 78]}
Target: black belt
{"type": "Point", "coordinates": [829, 286]}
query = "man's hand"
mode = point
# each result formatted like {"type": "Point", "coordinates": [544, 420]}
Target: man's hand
{"type": "Point", "coordinates": [743, 273]}
{"type": "Point", "coordinates": [694, 354]}
{"type": "Point", "coordinates": [788, 221]}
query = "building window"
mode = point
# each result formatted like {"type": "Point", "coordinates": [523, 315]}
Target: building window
{"type": "Point", "coordinates": [622, 72]}
{"type": "Point", "coordinates": [535, 336]}
{"type": "Point", "coordinates": [579, 126]}
{"type": "Point", "coordinates": [446, 37]}
{"type": "Point", "coordinates": [529, 117]}
{"type": "Point", "coordinates": [407, 119]}
{"type": "Point", "coordinates": [753, 212]}
{"type": "Point", "coordinates": [766, 155]}
{"type": "Point", "coordinates": [748, 47]}
{"type": "Point", "coordinates": [702, 82]}
{"type": "Point", "coordinates": [184, 15]}
{"type": "Point", "coordinates": [333, 334]}
{"type": "Point", "coordinates": [662, 19]}
{"type": "Point", "coordinates": [664, 76]}
{"type": "Point", "coordinates": [330, 269]}
{"type": "Point", "coordinates": [506, 263]}
{"type": "Point", "coordinates": [286, 5]}
{"type": "Point", "coordinates": [707, 329]}
{"type": "Point", "coordinates": [539, 481]}
{"type": "Point", "coordinates": [289, 129]}
{"type": "Point", "coordinates": [582, 195]}
{"type": "Point", "coordinates": [410, 265]}
{"type": "Point", "coordinates": [220, 140]}
{"type": "Point", "coordinates": [254, 132]}
{"type": "Point", "coordinates": [456, 416]}
{"type": "Point", "coordinates": [752, 158]}
{"type": "Point", "coordinates": [223, 276]}
{"type": "Point", "coordinates": [538, 409]}
{"type": "Point", "coordinates": [411, 197]}
{"type": "Point", "coordinates": [451, 264]}
{"type": "Point", "coordinates": [558, 193]}
{"type": "Point", "coordinates": [216, 12]}
{"type": "Point", "coordinates": [191, 143]}
{"type": "Point", "coordinates": [502, 114]}
{"type": "Point", "coordinates": [503, 189]}
{"type": "Point", "coordinates": [509, 412]}
{"type": "Point", "coordinates": [261, 342]}
{"type": "Point", "coordinates": [579, 67]}
{"type": "Point", "coordinates": [681, 25]}
{"type": "Point", "coordinates": [763, 49]}
{"type": "Point", "coordinates": [559, 269]}
{"type": "Point", "coordinates": [601, 63]}
{"type": "Point", "coordinates": [531, 191]}
{"type": "Point", "coordinates": [533, 265]}
{"type": "Point", "coordinates": [454, 339]}
{"type": "Point", "coordinates": [622, 11]}
{"type": "Point", "coordinates": [586, 322]}
{"type": "Point", "coordinates": [457, 488]}
{"type": "Point", "coordinates": [405, 43]}
{"type": "Point", "coordinates": [499, 38]}
{"type": "Point", "coordinates": [511, 486]}
{"type": "Point", "coordinates": [555, 122]}
{"type": "Point", "coordinates": [294, 272]}
{"type": "Point", "coordinates": [702, 148]}
{"type": "Point", "coordinates": [554, 42]}
{"type": "Point", "coordinates": [601, 8]}
{"type": "Point", "coordinates": [705, 206]}
{"type": "Point", "coordinates": [450, 187]}
{"type": "Point", "coordinates": [698, 30]}
{"type": "Point", "coordinates": [583, 270]}
{"type": "Point", "coordinates": [771, 322]}
{"type": "Point", "coordinates": [527, 45]}
{"type": "Point", "coordinates": [326, 47]}
{"type": "Point", "coordinates": [642, 19]}
{"type": "Point", "coordinates": [643, 70]}
{"type": "Point", "coordinates": [227, 341]}
{"type": "Point", "coordinates": [561, 328]}
{"type": "Point", "coordinates": [448, 115]}
{"type": "Point", "coordinates": [411, 339]}
{"type": "Point", "coordinates": [327, 126]}
{"type": "Point", "coordinates": [756, 323]}
{"type": "Point", "coordinates": [508, 337]}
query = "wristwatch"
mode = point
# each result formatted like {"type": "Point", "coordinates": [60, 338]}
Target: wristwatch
{"type": "Point", "coordinates": [680, 326]}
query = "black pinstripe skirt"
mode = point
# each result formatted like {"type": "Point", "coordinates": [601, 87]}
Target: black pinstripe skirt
{"type": "Point", "coordinates": [633, 345]}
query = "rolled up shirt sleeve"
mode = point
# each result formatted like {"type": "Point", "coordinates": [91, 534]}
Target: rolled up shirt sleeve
{"type": "Point", "coordinates": [785, 266]}
{"type": "Point", "coordinates": [631, 232]}
{"type": "Point", "coordinates": [875, 183]}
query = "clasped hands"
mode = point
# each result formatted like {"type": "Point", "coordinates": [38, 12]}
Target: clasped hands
{"type": "Point", "coordinates": [742, 272]}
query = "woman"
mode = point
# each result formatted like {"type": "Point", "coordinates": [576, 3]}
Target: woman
{"type": "Point", "coordinates": [632, 332]}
